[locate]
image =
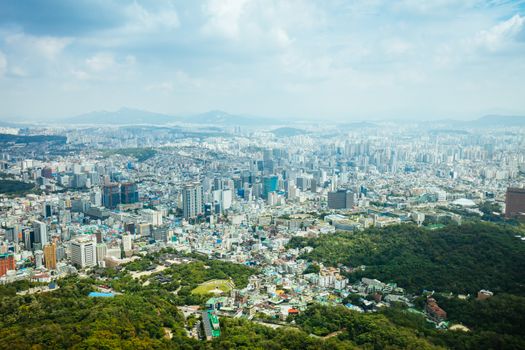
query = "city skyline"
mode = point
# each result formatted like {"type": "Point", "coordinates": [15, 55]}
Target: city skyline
{"type": "Point", "coordinates": [297, 60]}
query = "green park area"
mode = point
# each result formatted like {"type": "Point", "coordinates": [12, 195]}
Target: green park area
{"type": "Point", "coordinates": [213, 286]}
{"type": "Point", "coordinates": [141, 154]}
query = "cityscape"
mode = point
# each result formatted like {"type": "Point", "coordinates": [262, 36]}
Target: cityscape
{"type": "Point", "coordinates": [124, 228]}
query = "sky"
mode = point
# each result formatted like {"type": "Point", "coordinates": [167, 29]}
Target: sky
{"type": "Point", "coordinates": [320, 59]}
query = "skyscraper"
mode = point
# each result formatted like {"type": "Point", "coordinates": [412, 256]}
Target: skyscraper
{"type": "Point", "coordinates": [7, 262]}
{"type": "Point", "coordinates": [515, 203]}
{"type": "Point", "coordinates": [50, 256]}
{"type": "Point", "coordinates": [102, 250]}
{"type": "Point", "coordinates": [270, 184]}
{"type": "Point", "coordinates": [47, 210]}
{"type": "Point", "coordinates": [341, 199]}
{"type": "Point", "coordinates": [129, 193]}
{"type": "Point", "coordinates": [39, 258]}
{"type": "Point", "coordinates": [192, 201]}
{"type": "Point", "coordinates": [40, 233]}
{"type": "Point", "coordinates": [111, 196]}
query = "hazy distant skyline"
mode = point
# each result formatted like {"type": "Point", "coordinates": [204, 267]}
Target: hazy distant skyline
{"type": "Point", "coordinates": [299, 59]}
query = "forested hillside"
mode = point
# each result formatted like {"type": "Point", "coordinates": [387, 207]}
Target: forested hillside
{"type": "Point", "coordinates": [459, 259]}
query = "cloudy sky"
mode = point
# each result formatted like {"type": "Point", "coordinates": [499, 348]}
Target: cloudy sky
{"type": "Point", "coordinates": [333, 59]}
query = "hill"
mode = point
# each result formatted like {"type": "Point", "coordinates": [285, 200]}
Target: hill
{"type": "Point", "coordinates": [288, 132]}
{"type": "Point", "coordinates": [500, 120]}
{"type": "Point", "coordinates": [459, 259]}
{"type": "Point", "coordinates": [10, 138]}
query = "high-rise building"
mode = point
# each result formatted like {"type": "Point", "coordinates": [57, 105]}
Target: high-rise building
{"type": "Point", "coordinates": [102, 251]}
{"type": "Point", "coordinates": [39, 258]}
{"type": "Point", "coordinates": [341, 199]}
{"type": "Point", "coordinates": [192, 200]}
{"type": "Point", "coordinates": [83, 252]}
{"type": "Point", "coordinates": [96, 198]}
{"type": "Point", "coordinates": [515, 203]}
{"type": "Point", "coordinates": [13, 234]}
{"type": "Point", "coordinates": [40, 233]}
{"type": "Point", "coordinates": [99, 236]}
{"type": "Point", "coordinates": [126, 243]}
{"type": "Point", "coordinates": [270, 184]}
{"type": "Point", "coordinates": [111, 196]}
{"type": "Point", "coordinates": [47, 210]}
{"type": "Point", "coordinates": [151, 216]}
{"type": "Point", "coordinates": [129, 193]}
{"type": "Point", "coordinates": [7, 262]}
{"type": "Point", "coordinates": [50, 256]}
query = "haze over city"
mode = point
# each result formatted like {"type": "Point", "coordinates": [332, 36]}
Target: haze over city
{"type": "Point", "coordinates": [315, 60]}
{"type": "Point", "coordinates": [262, 174]}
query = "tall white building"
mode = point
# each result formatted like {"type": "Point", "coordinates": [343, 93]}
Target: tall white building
{"type": "Point", "coordinates": [192, 200]}
{"type": "Point", "coordinates": [226, 199]}
{"type": "Point", "coordinates": [83, 252]}
{"type": "Point", "coordinates": [101, 253]}
{"type": "Point", "coordinates": [40, 231]}
{"type": "Point", "coordinates": [153, 217]}
{"type": "Point", "coordinates": [96, 199]}
{"type": "Point", "coordinates": [126, 243]}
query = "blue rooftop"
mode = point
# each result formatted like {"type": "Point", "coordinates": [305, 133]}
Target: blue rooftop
{"type": "Point", "coordinates": [101, 295]}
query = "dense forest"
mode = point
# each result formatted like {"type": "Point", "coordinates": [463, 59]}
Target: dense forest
{"type": "Point", "coordinates": [140, 154]}
{"type": "Point", "coordinates": [67, 318]}
{"type": "Point", "coordinates": [15, 187]}
{"type": "Point", "coordinates": [6, 138]}
{"type": "Point", "coordinates": [459, 259]}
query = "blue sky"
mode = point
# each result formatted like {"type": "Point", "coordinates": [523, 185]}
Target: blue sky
{"type": "Point", "coordinates": [327, 59]}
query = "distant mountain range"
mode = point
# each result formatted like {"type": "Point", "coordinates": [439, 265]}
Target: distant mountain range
{"type": "Point", "coordinates": [217, 118]}
{"type": "Point", "coordinates": [500, 120]}
{"type": "Point", "coordinates": [488, 121]}
{"type": "Point", "coordinates": [128, 116]}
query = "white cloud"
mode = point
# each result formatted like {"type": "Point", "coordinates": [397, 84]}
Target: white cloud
{"type": "Point", "coordinates": [104, 66]}
{"type": "Point", "coordinates": [224, 17]}
{"type": "Point", "coordinates": [3, 64]}
{"type": "Point", "coordinates": [501, 35]}
{"type": "Point", "coordinates": [46, 46]}
{"type": "Point", "coordinates": [100, 62]}
{"type": "Point", "coordinates": [260, 25]}
{"type": "Point", "coordinates": [144, 20]}
{"type": "Point", "coordinates": [281, 37]}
